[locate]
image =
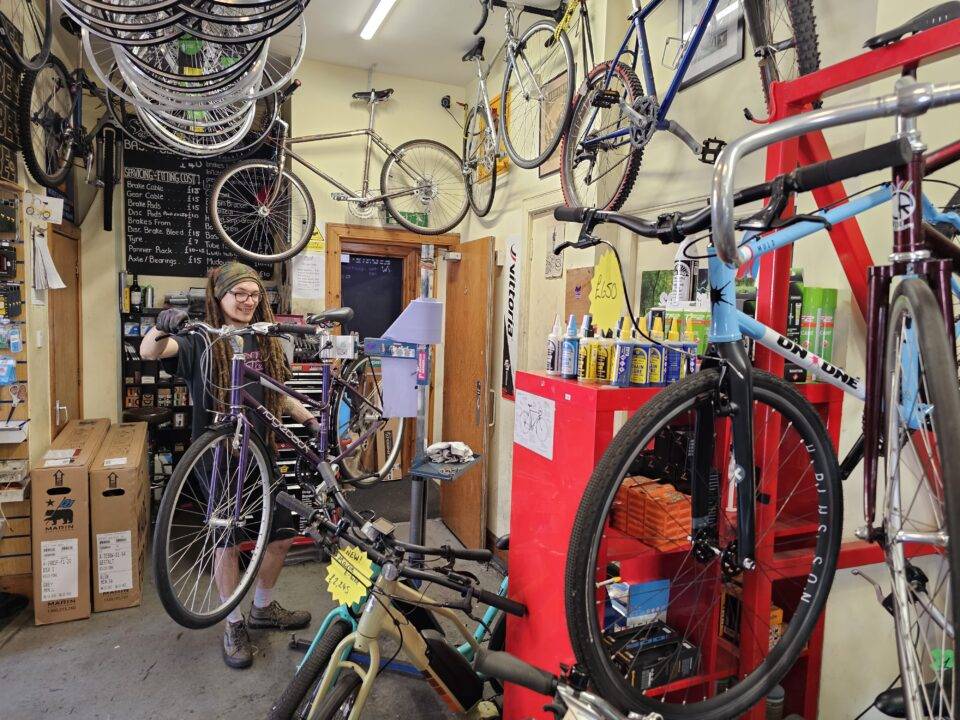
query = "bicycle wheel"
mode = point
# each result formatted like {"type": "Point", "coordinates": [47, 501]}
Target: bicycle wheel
{"type": "Point", "coordinates": [261, 213]}
{"type": "Point", "coordinates": [298, 695]}
{"type": "Point", "coordinates": [630, 524]}
{"type": "Point", "coordinates": [339, 702]}
{"type": "Point", "coordinates": [921, 469]}
{"type": "Point", "coordinates": [536, 115]}
{"type": "Point", "coordinates": [786, 30]}
{"type": "Point", "coordinates": [597, 170]}
{"type": "Point", "coordinates": [46, 123]}
{"type": "Point", "coordinates": [423, 184]}
{"type": "Point", "coordinates": [355, 416]}
{"type": "Point", "coordinates": [480, 162]}
{"type": "Point", "coordinates": [208, 514]}
{"type": "Point", "coordinates": [26, 31]}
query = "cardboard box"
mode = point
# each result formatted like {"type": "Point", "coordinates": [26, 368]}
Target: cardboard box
{"type": "Point", "coordinates": [61, 523]}
{"type": "Point", "coordinates": [119, 517]}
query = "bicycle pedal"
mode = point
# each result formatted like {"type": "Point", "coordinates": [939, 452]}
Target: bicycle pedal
{"type": "Point", "coordinates": [710, 150]}
{"type": "Point", "coordinates": [606, 98]}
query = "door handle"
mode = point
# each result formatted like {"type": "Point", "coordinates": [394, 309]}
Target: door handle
{"type": "Point", "coordinates": [66, 412]}
{"type": "Point", "coordinates": [493, 407]}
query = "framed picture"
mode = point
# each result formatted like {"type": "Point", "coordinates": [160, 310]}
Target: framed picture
{"type": "Point", "coordinates": [723, 42]}
{"type": "Point", "coordinates": [553, 113]}
{"type": "Point", "coordinates": [503, 164]}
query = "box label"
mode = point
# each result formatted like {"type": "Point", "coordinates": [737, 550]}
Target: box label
{"type": "Point", "coordinates": [59, 569]}
{"type": "Point", "coordinates": [115, 462]}
{"type": "Point", "coordinates": [114, 561]}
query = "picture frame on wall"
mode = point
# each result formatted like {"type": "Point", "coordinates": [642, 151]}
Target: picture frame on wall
{"type": "Point", "coordinates": [553, 113]}
{"type": "Point", "coordinates": [724, 41]}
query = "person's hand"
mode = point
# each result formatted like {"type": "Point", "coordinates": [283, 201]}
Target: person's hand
{"type": "Point", "coordinates": [171, 320]}
{"type": "Point", "coordinates": [313, 426]}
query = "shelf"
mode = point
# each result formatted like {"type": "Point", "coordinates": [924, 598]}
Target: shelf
{"type": "Point", "coordinates": [689, 682]}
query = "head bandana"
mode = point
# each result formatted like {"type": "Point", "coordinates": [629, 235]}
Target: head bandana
{"type": "Point", "coordinates": [234, 273]}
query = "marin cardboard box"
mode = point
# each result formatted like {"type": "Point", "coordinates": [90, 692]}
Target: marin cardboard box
{"type": "Point", "coordinates": [60, 510]}
{"type": "Point", "coordinates": [119, 517]}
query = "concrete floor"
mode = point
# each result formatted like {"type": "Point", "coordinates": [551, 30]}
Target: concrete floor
{"type": "Point", "coordinates": [138, 663]}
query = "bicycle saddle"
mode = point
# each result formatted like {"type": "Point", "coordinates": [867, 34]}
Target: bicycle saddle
{"type": "Point", "coordinates": [70, 25]}
{"type": "Point", "coordinates": [938, 15]}
{"type": "Point", "coordinates": [373, 95]}
{"type": "Point", "coordinates": [337, 316]}
{"type": "Point", "coordinates": [476, 51]}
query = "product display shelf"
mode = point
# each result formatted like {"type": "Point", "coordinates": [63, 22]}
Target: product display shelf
{"type": "Point", "coordinates": [545, 495]}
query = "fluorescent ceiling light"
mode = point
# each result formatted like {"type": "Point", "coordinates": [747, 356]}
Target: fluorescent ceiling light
{"type": "Point", "coordinates": [376, 18]}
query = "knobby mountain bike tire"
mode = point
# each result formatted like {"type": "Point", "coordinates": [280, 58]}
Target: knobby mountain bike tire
{"type": "Point", "coordinates": [595, 177]}
{"type": "Point", "coordinates": [31, 20]}
{"type": "Point", "coordinates": [183, 521]}
{"type": "Point", "coordinates": [297, 697]}
{"type": "Point", "coordinates": [481, 185]}
{"type": "Point", "coordinates": [45, 118]}
{"type": "Point", "coordinates": [921, 501]}
{"type": "Point", "coordinates": [531, 138]}
{"type": "Point", "coordinates": [798, 525]}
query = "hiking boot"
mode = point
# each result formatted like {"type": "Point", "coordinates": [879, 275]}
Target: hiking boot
{"type": "Point", "coordinates": [237, 652]}
{"type": "Point", "coordinates": [276, 618]}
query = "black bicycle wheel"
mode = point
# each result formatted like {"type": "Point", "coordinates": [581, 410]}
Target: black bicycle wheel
{"type": "Point", "coordinates": [600, 173]}
{"type": "Point", "coordinates": [339, 702]}
{"type": "Point", "coordinates": [204, 523]}
{"type": "Point", "coordinates": [46, 123]}
{"type": "Point", "coordinates": [298, 695]}
{"type": "Point", "coordinates": [108, 172]}
{"type": "Point", "coordinates": [423, 187]}
{"type": "Point", "coordinates": [634, 526]}
{"type": "Point", "coordinates": [921, 507]}
{"type": "Point", "coordinates": [479, 161]}
{"type": "Point", "coordinates": [353, 418]}
{"type": "Point", "coordinates": [26, 31]}
{"type": "Point", "coordinates": [786, 31]}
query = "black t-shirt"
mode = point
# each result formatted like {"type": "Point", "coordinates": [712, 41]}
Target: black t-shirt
{"type": "Point", "coordinates": [189, 365]}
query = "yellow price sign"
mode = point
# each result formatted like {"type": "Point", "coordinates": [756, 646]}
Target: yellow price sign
{"type": "Point", "coordinates": [349, 575]}
{"type": "Point", "coordinates": [606, 293]}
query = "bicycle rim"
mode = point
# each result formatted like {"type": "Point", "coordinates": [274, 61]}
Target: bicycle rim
{"type": "Point", "coordinates": [211, 511]}
{"type": "Point", "coordinates": [354, 417]}
{"type": "Point", "coordinates": [920, 456]}
{"type": "Point", "coordinates": [634, 526]}
{"type": "Point", "coordinates": [424, 188]}
{"type": "Point", "coordinates": [260, 213]}
{"type": "Point", "coordinates": [480, 162]}
{"type": "Point", "coordinates": [28, 35]}
{"type": "Point", "coordinates": [538, 85]}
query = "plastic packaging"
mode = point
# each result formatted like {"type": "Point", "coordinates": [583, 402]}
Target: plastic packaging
{"type": "Point", "coordinates": [15, 340]}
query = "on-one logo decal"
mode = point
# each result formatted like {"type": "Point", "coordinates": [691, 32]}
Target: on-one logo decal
{"type": "Point", "coordinates": [801, 353]}
{"type": "Point", "coordinates": [903, 204]}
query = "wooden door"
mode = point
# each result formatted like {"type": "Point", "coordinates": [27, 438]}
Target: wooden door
{"type": "Point", "coordinates": [66, 394]}
{"type": "Point", "coordinates": [466, 384]}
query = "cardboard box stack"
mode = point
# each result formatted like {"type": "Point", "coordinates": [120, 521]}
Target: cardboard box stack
{"type": "Point", "coordinates": [655, 513]}
{"type": "Point", "coordinates": [119, 517]}
{"type": "Point", "coordinates": [60, 510]}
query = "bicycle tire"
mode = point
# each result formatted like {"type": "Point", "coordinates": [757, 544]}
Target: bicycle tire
{"type": "Point", "coordinates": [39, 58]}
{"type": "Point", "coordinates": [304, 683]}
{"type": "Point", "coordinates": [601, 492]}
{"type": "Point", "coordinates": [306, 222]}
{"type": "Point", "coordinates": [551, 143]}
{"type": "Point", "coordinates": [913, 298]}
{"type": "Point", "coordinates": [340, 699]}
{"type": "Point", "coordinates": [481, 203]}
{"type": "Point", "coordinates": [108, 148]}
{"type": "Point", "coordinates": [430, 201]}
{"type": "Point", "coordinates": [338, 431]}
{"type": "Point", "coordinates": [803, 25]}
{"type": "Point", "coordinates": [166, 586]}
{"type": "Point", "coordinates": [581, 108]}
{"type": "Point", "coordinates": [36, 165]}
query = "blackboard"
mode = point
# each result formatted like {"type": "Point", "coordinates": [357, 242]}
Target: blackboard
{"type": "Point", "coordinates": [168, 231]}
{"type": "Point", "coordinates": [373, 286]}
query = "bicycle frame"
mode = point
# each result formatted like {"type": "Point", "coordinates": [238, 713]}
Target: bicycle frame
{"type": "Point", "coordinates": [637, 26]}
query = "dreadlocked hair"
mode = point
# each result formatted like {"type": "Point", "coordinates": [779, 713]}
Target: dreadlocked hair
{"type": "Point", "coordinates": [271, 352]}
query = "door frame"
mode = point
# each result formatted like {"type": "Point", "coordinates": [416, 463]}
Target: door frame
{"type": "Point", "coordinates": [71, 232]}
{"type": "Point", "coordinates": [367, 240]}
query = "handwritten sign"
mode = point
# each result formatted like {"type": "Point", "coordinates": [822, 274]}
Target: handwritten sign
{"type": "Point", "coordinates": [606, 293]}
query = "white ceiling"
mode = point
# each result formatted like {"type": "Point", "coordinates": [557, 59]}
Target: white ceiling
{"type": "Point", "coordinates": [423, 39]}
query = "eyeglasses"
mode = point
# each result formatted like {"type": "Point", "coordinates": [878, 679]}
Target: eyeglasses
{"type": "Point", "coordinates": [241, 296]}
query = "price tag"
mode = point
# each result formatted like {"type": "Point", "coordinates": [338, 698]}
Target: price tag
{"type": "Point", "coordinates": [349, 575]}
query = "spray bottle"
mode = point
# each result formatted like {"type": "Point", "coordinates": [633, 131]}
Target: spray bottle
{"type": "Point", "coordinates": [554, 341]}
{"type": "Point", "coordinates": [569, 350]}
{"type": "Point", "coordinates": [622, 357]}
{"type": "Point", "coordinates": [640, 363]}
{"type": "Point", "coordinates": [656, 360]}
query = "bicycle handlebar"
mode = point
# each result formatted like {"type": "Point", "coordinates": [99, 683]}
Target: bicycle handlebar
{"type": "Point", "coordinates": [909, 99]}
{"type": "Point", "coordinates": [485, 4]}
{"type": "Point", "coordinates": [258, 328]}
{"type": "Point", "coordinates": [506, 667]}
